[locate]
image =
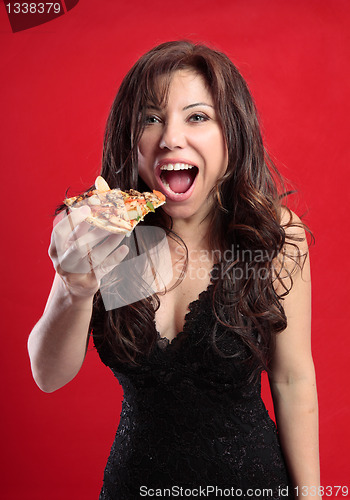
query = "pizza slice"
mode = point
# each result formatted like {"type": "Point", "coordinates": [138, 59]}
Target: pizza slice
{"type": "Point", "coordinates": [114, 210]}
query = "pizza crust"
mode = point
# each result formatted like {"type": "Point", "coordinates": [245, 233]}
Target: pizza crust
{"type": "Point", "coordinates": [112, 228]}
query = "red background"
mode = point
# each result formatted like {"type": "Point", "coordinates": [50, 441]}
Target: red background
{"type": "Point", "coordinates": [58, 81]}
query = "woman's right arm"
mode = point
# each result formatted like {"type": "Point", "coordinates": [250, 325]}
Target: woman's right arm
{"type": "Point", "coordinates": [57, 343]}
{"type": "Point", "coordinates": [81, 257]}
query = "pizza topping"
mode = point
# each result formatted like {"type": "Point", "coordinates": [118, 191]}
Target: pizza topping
{"type": "Point", "coordinates": [133, 214]}
{"type": "Point", "coordinates": [150, 206]}
{"type": "Point", "coordinates": [159, 195]}
{"type": "Point", "coordinates": [101, 185]}
{"type": "Point", "coordinates": [94, 200]}
{"type": "Point", "coordinates": [115, 210]}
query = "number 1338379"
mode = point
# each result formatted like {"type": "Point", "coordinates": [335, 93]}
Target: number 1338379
{"type": "Point", "coordinates": [33, 8]}
{"type": "Point", "coordinates": [327, 491]}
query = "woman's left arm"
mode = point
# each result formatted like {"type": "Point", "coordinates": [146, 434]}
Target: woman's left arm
{"type": "Point", "coordinates": [293, 381]}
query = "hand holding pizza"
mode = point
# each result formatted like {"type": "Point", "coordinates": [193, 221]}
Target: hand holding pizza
{"type": "Point", "coordinates": [85, 243]}
{"type": "Point", "coordinates": [83, 254]}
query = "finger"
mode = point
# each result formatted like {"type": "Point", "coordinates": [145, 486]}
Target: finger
{"type": "Point", "coordinates": [79, 231]}
{"type": "Point", "coordinates": [69, 261]}
{"type": "Point", "coordinates": [78, 258]}
{"type": "Point", "coordinates": [52, 251]}
{"type": "Point", "coordinates": [111, 261]}
{"type": "Point", "coordinates": [99, 253]}
{"type": "Point", "coordinates": [69, 222]}
{"type": "Point", "coordinates": [97, 236]}
{"type": "Point", "coordinates": [96, 248]}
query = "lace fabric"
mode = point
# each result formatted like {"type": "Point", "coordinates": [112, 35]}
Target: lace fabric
{"type": "Point", "coordinates": [190, 419]}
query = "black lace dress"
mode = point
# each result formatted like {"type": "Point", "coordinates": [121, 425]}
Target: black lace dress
{"type": "Point", "coordinates": [190, 420]}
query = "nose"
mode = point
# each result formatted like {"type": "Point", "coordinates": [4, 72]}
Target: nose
{"type": "Point", "coordinates": [173, 136]}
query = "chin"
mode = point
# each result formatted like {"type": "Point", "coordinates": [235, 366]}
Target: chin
{"type": "Point", "coordinates": [176, 211]}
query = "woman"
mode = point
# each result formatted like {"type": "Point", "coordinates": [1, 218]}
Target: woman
{"type": "Point", "coordinates": [190, 357]}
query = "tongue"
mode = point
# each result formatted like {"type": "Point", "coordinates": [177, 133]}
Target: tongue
{"type": "Point", "coordinates": [178, 180]}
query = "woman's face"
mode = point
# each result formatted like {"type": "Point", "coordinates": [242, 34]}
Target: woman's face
{"type": "Point", "coordinates": [182, 151]}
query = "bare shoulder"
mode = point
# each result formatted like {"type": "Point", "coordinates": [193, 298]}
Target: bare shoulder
{"type": "Point", "coordinates": [293, 259]}
{"type": "Point", "coordinates": [292, 358]}
{"type": "Point", "coordinates": [293, 225]}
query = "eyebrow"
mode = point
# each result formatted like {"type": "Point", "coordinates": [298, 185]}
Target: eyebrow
{"type": "Point", "coordinates": [194, 105]}
{"type": "Point", "coordinates": [197, 104]}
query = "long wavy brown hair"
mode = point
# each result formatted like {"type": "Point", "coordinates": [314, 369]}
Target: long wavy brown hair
{"type": "Point", "coordinates": [246, 218]}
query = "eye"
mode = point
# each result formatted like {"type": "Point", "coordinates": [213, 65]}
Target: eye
{"type": "Point", "coordinates": [198, 117]}
{"type": "Point", "coordinates": [150, 119]}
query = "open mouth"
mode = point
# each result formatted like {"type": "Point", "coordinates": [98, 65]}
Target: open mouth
{"type": "Point", "coordinates": [178, 177]}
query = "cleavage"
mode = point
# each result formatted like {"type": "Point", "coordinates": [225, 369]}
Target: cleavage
{"type": "Point", "coordinates": [170, 318]}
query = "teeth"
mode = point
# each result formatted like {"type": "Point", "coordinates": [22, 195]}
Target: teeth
{"type": "Point", "coordinates": [176, 166]}
{"type": "Point", "coordinates": [166, 185]}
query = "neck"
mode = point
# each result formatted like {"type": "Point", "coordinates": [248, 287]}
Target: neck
{"type": "Point", "coordinates": [193, 232]}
